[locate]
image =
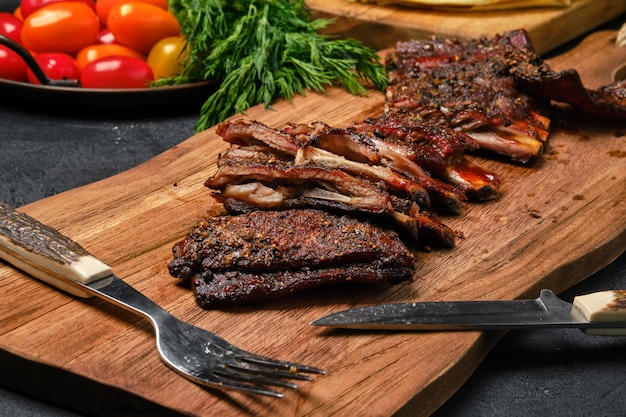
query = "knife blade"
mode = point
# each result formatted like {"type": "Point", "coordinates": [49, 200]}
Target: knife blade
{"type": "Point", "coordinates": [600, 313]}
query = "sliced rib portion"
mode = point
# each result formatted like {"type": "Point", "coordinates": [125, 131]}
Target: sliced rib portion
{"type": "Point", "coordinates": [438, 150]}
{"type": "Point", "coordinates": [468, 85]}
{"type": "Point", "coordinates": [305, 154]}
{"type": "Point", "coordinates": [264, 254]}
{"type": "Point", "coordinates": [606, 102]}
{"type": "Point", "coordinates": [362, 146]}
{"type": "Point", "coordinates": [248, 132]}
{"type": "Point", "coordinates": [242, 165]}
{"type": "Point", "coordinates": [266, 171]}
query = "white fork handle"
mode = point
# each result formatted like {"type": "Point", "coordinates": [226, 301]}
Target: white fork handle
{"type": "Point", "coordinates": [45, 253]}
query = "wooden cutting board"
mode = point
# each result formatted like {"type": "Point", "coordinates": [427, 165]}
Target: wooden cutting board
{"type": "Point", "coordinates": [554, 225]}
{"type": "Point", "coordinates": [382, 26]}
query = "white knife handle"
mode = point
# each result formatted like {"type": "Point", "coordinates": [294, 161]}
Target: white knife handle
{"type": "Point", "coordinates": [603, 306]}
{"type": "Point", "coordinates": [45, 253]}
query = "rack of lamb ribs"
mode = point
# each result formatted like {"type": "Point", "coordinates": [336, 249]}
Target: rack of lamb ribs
{"type": "Point", "coordinates": [308, 203]}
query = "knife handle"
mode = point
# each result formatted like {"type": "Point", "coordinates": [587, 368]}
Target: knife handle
{"type": "Point", "coordinates": [603, 306]}
{"type": "Point", "coordinates": [45, 253]}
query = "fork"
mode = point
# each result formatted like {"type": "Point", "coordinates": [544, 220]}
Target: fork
{"type": "Point", "coordinates": [197, 354]}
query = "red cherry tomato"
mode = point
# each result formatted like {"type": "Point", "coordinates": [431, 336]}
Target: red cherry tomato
{"type": "Point", "coordinates": [117, 72]}
{"type": "Point", "coordinates": [61, 27]}
{"type": "Point", "coordinates": [106, 37]}
{"type": "Point", "coordinates": [57, 66]}
{"type": "Point", "coordinates": [11, 26]}
{"type": "Point", "coordinates": [27, 7]}
{"type": "Point", "coordinates": [95, 52]}
{"type": "Point", "coordinates": [12, 66]}
{"type": "Point", "coordinates": [140, 25]}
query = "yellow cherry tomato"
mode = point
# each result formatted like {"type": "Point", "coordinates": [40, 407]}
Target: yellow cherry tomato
{"type": "Point", "coordinates": [168, 57]}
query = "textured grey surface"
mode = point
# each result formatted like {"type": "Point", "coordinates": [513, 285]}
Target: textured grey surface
{"type": "Point", "coordinates": [50, 149]}
{"type": "Point", "coordinates": [45, 154]}
{"type": "Point", "coordinates": [551, 372]}
{"type": "Point", "coordinates": [557, 373]}
{"type": "Point", "coordinates": [45, 151]}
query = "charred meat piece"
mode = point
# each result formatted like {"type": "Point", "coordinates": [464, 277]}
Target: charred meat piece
{"type": "Point", "coordinates": [247, 132]}
{"type": "Point", "coordinates": [243, 165]}
{"type": "Point", "coordinates": [360, 146]}
{"type": "Point", "coordinates": [607, 102]}
{"type": "Point", "coordinates": [468, 85]}
{"type": "Point", "coordinates": [306, 155]}
{"type": "Point", "coordinates": [419, 227]}
{"type": "Point", "coordinates": [265, 254]}
{"type": "Point", "coordinates": [257, 175]}
{"type": "Point", "coordinates": [438, 150]}
{"type": "Point", "coordinates": [432, 232]}
{"type": "Point", "coordinates": [616, 95]}
{"type": "Point", "coordinates": [535, 77]}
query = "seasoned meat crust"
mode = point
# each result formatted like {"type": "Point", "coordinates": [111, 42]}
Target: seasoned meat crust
{"type": "Point", "coordinates": [234, 287]}
{"type": "Point", "coordinates": [472, 86]}
{"type": "Point", "coordinates": [265, 254]}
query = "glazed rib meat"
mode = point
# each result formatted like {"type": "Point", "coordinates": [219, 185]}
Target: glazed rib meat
{"type": "Point", "coordinates": [305, 155]}
{"type": "Point", "coordinates": [245, 165]}
{"type": "Point", "coordinates": [536, 78]}
{"type": "Point", "coordinates": [362, 146]}
{"type": "Point", "coordinates": [438, 150]}
{"type": "Point", "coordinates": [468, 85]}
{"type": "Point", "coordinates": [265, 254]}
{"type": "Point", "coordinates": [317, 166]}
{"type": "Point", "coordinates": [566, 86]}
{"type": "Point", "coordinates": [312, 204]}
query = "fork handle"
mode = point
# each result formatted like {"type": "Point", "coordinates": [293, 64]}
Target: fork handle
{"type": "Point", "coordinates": [46, 254]}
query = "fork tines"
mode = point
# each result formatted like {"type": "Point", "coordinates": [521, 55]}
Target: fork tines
{"type": "Point", "coordinates": [251, 373]}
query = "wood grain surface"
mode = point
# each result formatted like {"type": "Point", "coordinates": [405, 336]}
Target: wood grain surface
{"type": "Point", "coordinates": [382, 26]}
{"type": "Point", "coordinates": [555, 224]}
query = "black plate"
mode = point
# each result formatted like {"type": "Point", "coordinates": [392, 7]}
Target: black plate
{"type": "Point", "coordinates": [96, 98]}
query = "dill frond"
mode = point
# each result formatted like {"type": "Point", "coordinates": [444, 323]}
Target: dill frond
{"type": "Point", "coordinates": [259, 51]}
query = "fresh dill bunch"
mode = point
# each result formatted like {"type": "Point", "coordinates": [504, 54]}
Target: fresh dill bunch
{"type": "Point", "coordinates": [262, 50]}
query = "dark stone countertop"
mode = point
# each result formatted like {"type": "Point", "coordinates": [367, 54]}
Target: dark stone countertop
{"type": "Point", "coordinates": [49, 149]}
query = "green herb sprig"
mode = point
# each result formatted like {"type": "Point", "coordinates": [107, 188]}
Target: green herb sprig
{"type": "Point", "coordinates": [263, 50]}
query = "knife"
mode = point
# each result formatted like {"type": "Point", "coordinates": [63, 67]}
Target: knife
{"type": "Point", "coordinates": [599, 313]}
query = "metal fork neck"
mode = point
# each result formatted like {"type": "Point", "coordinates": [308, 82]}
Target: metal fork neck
{"type": "Point", "coordinates": [114, 289]}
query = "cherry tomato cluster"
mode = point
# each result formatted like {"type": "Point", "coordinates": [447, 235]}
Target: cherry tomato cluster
{"type": "Point", "coordinates": [102, 43]}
